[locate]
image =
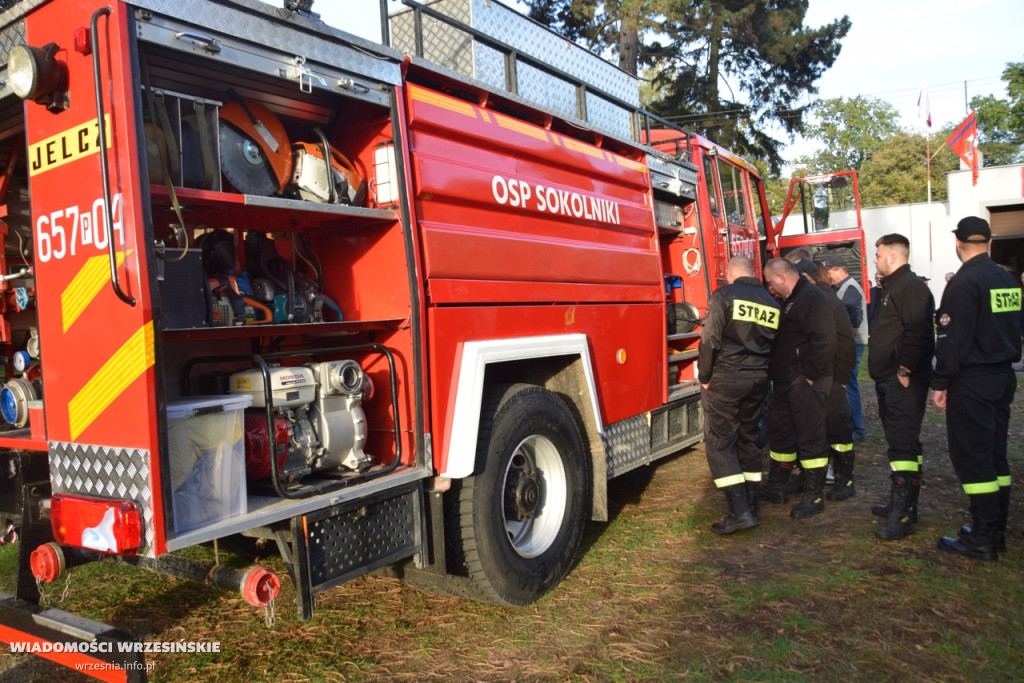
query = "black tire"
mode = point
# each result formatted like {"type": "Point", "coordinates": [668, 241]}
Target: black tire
{"type": "Point", "coordinates": [520, 517]}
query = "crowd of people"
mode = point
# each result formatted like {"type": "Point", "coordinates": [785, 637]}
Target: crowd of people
{"type": "Point", "coordinates": [778, 366]}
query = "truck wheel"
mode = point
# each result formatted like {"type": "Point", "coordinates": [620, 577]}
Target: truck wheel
{"type": "Point", "coordinates": [521, 516]}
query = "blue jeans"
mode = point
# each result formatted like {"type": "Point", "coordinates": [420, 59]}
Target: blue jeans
{"type": "Point", "coordinates": [853, 397]}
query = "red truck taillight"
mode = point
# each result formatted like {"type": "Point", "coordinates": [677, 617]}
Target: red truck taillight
{"type": "Point", "coordinates": [104, 526]}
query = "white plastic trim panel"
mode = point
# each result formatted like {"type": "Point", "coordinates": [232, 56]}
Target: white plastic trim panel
{"type": "Point", "coordinates": [476, 355]}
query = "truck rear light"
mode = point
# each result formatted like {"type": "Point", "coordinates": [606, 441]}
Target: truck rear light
{"type": "Point", "coordinates": [113, 527]}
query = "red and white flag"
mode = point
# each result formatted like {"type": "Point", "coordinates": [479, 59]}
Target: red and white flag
{"type": "Point", "coordinates": [924, 107]}
{"type": "Point", "coordinates": [964, 141]}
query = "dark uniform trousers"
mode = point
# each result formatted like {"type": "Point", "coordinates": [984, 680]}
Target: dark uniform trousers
{"type": "Point", "coordinates": [977, 417]}
{"type": "Point", "coordinates": [838, 422]}
{"type": "Point", "coordinates": [902, 411]}
{"type": "Point", "coordinates": [797, 422]}
{"type": "Point", "coordinates": [732, 407]}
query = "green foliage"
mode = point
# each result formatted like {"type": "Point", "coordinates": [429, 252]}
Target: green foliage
{"type": "Point", "coordinates": [850, 130]}
{"type": "Point", "coordinates": [1001, 122]}
{"type": "Point", "coordinates": [897, 171]}
{"type": "Point", "coordinates": [760, 50]}
{"type": "Point", "coordinates": [775, 188]}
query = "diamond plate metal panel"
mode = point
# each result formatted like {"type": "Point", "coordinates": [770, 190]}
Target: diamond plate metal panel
{"type": "Point", "coordinates": [627, 444]}
{"type": "Point", "coordinates": [10, 37]}
{"type": "Point", "coordinates": [453, 49]}
{"type": "Point", "coordinates": [282, 30]}
{"type": "Point", "coordinates": [105, 472]}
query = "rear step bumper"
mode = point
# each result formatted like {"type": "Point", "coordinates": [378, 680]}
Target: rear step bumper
{"type": "Point", "coordinates": [83, 645]}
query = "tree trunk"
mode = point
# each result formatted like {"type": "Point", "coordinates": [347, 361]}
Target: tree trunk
{"type": "Point", "coordinates": [629, 45]}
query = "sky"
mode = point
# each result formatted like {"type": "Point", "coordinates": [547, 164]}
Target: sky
{"type": "Point", "coordinates": [895, 48]}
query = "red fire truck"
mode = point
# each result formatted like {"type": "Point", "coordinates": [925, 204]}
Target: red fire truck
{"type": "Point", "coordinates": [402, 308]}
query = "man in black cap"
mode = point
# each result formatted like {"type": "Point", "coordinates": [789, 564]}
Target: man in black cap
{"type": "Point", "coordinates": [979, 338]}
{"type": "Point", "coordinates": [900, 352]}
{"type": "Point", "coordinates": [801, 374]}
{"type": "Point", "coordinates": [735, 345]}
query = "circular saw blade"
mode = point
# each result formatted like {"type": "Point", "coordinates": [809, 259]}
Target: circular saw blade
{"type": "Point", "coordinates": [244, 164]}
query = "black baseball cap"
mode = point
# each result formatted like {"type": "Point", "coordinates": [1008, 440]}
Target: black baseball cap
{"type": "Point", "coordinates": [833, 262]}
{"type": "Point", "coordinates": [973, 229]}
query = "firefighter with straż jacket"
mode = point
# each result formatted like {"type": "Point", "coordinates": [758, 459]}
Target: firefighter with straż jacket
{"type": "Point", "coordinates": [979, 337]}
{"type": "Point", "coordinates": [900, 348]}
{"type": "Point", "coordinates": [801, 373]}
{"type": "Point", "coordinates": [735, 344]}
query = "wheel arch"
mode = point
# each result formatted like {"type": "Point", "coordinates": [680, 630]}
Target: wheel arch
{"type": "Point", "coordinates": [559, 363]}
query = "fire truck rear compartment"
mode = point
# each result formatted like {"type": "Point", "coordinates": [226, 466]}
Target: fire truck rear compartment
{"type": "Point", "coordinates": [367, 278]}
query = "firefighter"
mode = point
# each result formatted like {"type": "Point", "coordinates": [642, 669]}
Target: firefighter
{"type": "Point", "coordinates": [735, 346]}
{"type": "Point", "coordinates": [900, 348]}
{"type": "Point", "coordinates": [801, 374]}
{"type": "Point", "coordinates": [979, 337]}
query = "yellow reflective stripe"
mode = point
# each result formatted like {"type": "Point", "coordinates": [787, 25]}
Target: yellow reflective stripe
{"type": "Point", "coordinates": [920, 459]}
{"type": "Point", "coordinates": [904, 466]}
{"type": "Point", "coordinates": [752, 476]}
{"type": "Point", "coordinates": [438, 100]}
{"type": "Point", "coordinates": [1005, 300]}
{"type": "Point", "coordinates": [982, 487]}
{"type": "Point", "coordinates": [841, 447]}
{"type": "Point", "coordinates": [782, 457]}
{"type": "Point", "coordinates": [1003, 481]}
{"type": "Point", "coordinates": [731, 480]}
{"type": "Point", "coordinates": [87, 283]}
{"type": "Point", "coordinates": [629, 163]}
{"type": "Point", "coordinates": [517, 126]}
{"type": "Point", "coordinates": [759, 314]}
{"type": "Point", "coordinates": [128, 362]}
{"type": "Point", "coordinates": [813, 463]}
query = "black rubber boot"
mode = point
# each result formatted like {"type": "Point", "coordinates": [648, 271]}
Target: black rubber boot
{"type": "Point", "coordinates": [843, 467]}
{"type": "Point", "coordinates": [812, 501]}
{"type": "Point", "coordinates": [796, 482]}
{"type": "Point", "coordinates": [1000, 539]}
{"type": "Point", "coordinates": [900, 522]}
{"type": "Point", "coordinates": [980, 542]}
{"type": "Point", "coordinates": [882, 509]}
{"type": "Point", "coordinates": [753, 494]}
{"type": "Point", "coordinates": [740, 515]}
{"type": "Point", "coordinates": [774, 490]}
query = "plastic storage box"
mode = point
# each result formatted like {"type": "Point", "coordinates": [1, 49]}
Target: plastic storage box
{"type": "Point", "coordinates": [207, 459]}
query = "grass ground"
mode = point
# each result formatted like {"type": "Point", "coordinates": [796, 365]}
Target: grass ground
{"type": "Point", "coordinates": [655, 595]}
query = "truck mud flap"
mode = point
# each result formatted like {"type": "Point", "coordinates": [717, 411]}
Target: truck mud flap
{"type": "Point", "coordinates": [341, 543]}
{"type": "Point", "coordinates": [81, 644]}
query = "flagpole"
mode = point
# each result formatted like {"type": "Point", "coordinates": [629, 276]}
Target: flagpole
{"type": "Point", "coordinates": [928, 157]}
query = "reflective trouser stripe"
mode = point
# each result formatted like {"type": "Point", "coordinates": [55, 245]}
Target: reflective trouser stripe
{"type": "Point", "coordinates": [814, 462]}
{"type": "Point", "coordinates": [841, 447]}
{"type": "Point", "coordinates": [752, 476]}
{"type": "Point", "coordinates": [782, 457]}
{"type": "Point", "coordinates": [981, 487]}
{"type": "Point", "coordinates": [905, 466]}
{"type": "Point", "coordinates": [731, 480]}
{"type": "Point", "coordinates": [1003, 481]}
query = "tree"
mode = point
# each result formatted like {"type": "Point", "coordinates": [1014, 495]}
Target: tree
{"type": "Point", "coordinates": [849, 131]}
{"type": "Point", "coordinates": [896, 172]}
{"type": "Point", "coordinates": [1001, 122]}
{"type": "Point", "coordinates": [759, 50]}
{"type": "Point", "coordinates": [614, 26]}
